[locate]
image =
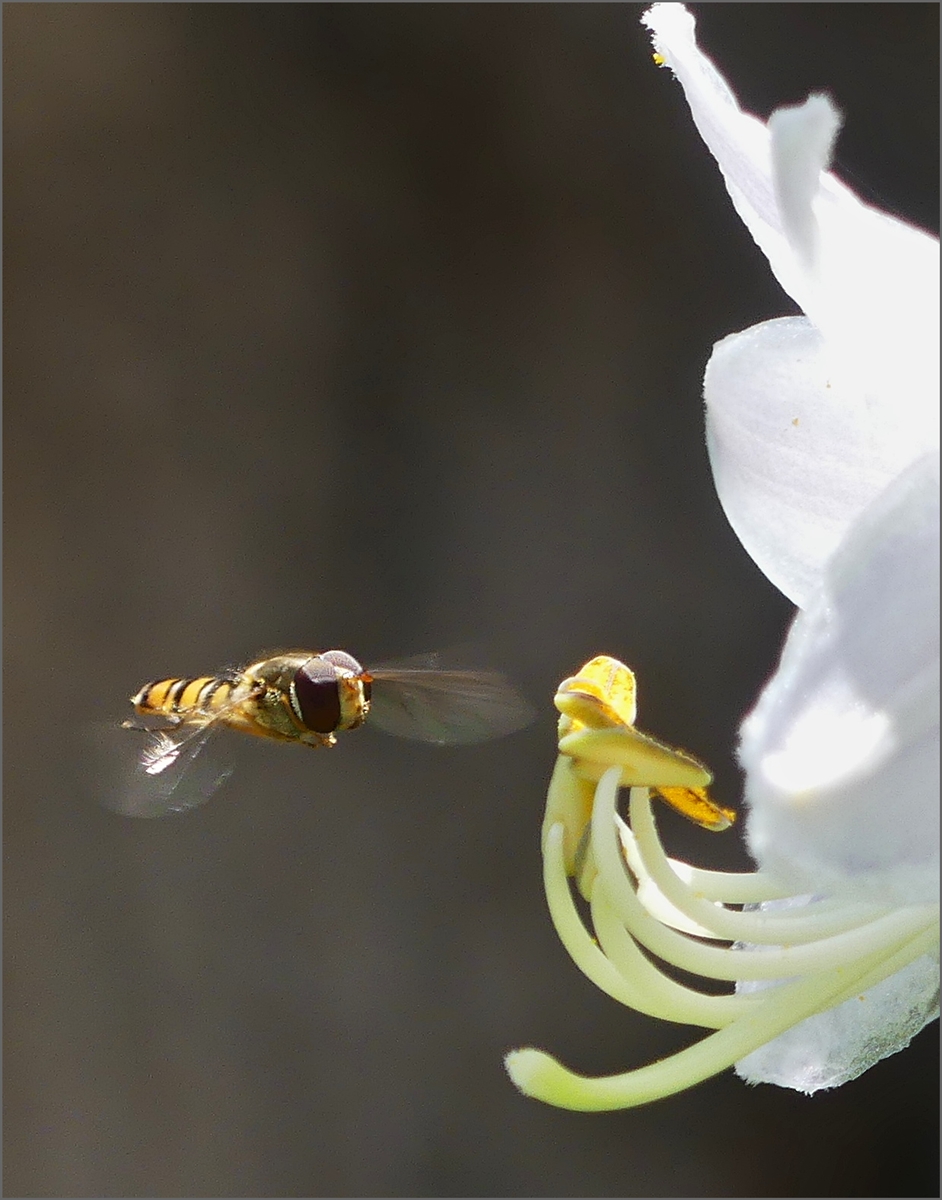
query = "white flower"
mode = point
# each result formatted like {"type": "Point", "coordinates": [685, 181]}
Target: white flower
{"type": "Point", "coordinates": [823, 434]}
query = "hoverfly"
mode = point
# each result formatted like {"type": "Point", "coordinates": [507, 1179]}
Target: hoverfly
{"type": "Point", "coordinates": [305, 697]}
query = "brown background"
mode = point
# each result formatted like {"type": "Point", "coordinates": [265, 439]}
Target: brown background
{"type": "Point", "coordinates": [383, 327]}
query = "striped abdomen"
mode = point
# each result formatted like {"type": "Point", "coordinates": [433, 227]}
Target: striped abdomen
{"type": "Point", "coordinates": [184, 699]}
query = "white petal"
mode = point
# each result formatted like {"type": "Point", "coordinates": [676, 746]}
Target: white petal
{"type": "Point", "coordinates": [835, 1046]}
{"type": "Point", "coordinates": [875, 297]}
{"type": "Point", "coordinates": [802, 140]}
{"type": "Point", "coordinates": [797, 453]}
{"type": "Point", "coordinates": [842, 749]}
{"type": "Point", "coordinates": [873, 274]}
{"type": "Point", "coordinates": [868, 282]}
{"type": "Point", "coordinates": [740, 143]}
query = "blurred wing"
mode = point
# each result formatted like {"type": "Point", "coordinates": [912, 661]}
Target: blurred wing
{"type": "Point", "coordinates": [156, 772]}
{"type": "Point", "coordinates": [448, 707]}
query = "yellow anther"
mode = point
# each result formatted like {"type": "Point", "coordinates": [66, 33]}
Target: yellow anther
{"type": "Point", "coordinates": [598, 706]}
{"type": "Point", "coordinates": [606, 682]}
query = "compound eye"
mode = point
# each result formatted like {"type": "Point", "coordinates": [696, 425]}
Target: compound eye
{"type": "Point", "coordinates": [315, 696]}
{"type": "Point", "coordinates": [343, 660]}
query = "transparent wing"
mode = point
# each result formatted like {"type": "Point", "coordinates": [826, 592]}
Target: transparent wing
{"type": "Point", "coordinates": [152, 773]}
{"type": "Point", "coordinates": [417, 699]}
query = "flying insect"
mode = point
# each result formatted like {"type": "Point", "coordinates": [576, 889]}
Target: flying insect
{"type": "Point", "coordinates": [306, 697]}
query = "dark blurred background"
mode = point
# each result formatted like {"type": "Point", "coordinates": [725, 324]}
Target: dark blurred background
{"type": "Point", "coordinates": [383, 327]}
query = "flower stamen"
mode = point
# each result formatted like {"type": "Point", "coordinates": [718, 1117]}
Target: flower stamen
{"type": "Point", "coordinates": [810, 954]}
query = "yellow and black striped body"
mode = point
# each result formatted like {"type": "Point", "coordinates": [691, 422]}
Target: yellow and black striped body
{"type": "Point", "coordinates": [184, 699]}
{"type": "Point", "coordinates": [263, 700]}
